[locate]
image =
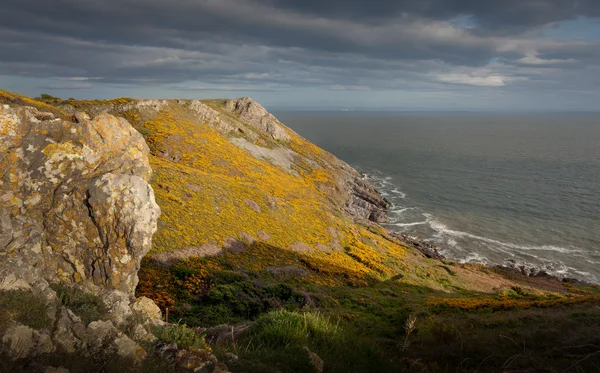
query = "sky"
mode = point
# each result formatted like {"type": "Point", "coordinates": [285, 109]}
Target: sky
{"type": "Point", "coordinates": [510, 55]}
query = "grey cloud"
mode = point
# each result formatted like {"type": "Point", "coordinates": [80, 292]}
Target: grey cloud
{"type": "Point", "coordinates": [226, 89]}
{"type": "Point", "coordinates": [421, 28]}
{"type": "Point", "coordinates": [68, 86]}
{"type": "Point", "coordinates": [507, 14]}
{"type": "Point", "coordinates": [269, 45]}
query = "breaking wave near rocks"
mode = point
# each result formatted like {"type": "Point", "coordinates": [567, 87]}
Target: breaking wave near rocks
{"type": "Point", "coordinates": [452, 234]}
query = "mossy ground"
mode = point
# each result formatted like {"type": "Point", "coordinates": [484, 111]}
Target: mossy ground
{"type": "Point", "coordinates": [350, 306]}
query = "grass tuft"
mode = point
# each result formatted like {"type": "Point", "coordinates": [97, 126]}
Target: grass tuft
{"type": "Point", "coordinates": [22, 307]}
{"type": "Point", "coordinates": [285, 328]}
{"type": "Point", "coordinates": [279, 341]}
{"type": "Point", "coordinates": [85, 305]}
{"type": "Point", "coordinates": [182, 335]}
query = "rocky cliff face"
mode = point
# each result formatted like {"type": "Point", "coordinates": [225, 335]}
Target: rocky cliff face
{"type": "Point", "coordinates": [77, 215]}
{"type": "Point", "coordinates": [211, 156]}
{"type": "Point", "coordinates": [257, 116]}
{"type": "Point", "coordinates": [76, 203]}
{"type": "Point", "coordinates": [361, 200]}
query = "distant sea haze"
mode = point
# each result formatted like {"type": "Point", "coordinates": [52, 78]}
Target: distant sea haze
{"type": "Point", "coordinates": [485, 187]}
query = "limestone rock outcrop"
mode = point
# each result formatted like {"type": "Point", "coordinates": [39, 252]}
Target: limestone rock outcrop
{"type": "Point", "coordinates": [76, 212]}
{"type": "Point", "coordinates": [254, 114]}
{"type": "Point", "coordinates": [212, 117]}
{"type": "Point", "coordinates": [366, 202]}
{"type": "Point", "coordinates": [75, 203]}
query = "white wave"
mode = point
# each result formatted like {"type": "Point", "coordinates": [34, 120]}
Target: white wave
{"type": "Point", "coordinates": [565, 270]}
{"type": "Point", "coordinates": [475, 257]}
{"type": "Point", "coordinates": [409, 224]}
{"type": "Point", "coordinates": [442, 228]}
{"type": "Point", "coordinates": [449, 242]}
{"type": "Point", "coordinates": [581, 273]}
{"type": "Point", "coordinates": [383, 182]}
{"type": "Point", "coordinates": [398, 192]}
{"type": "Point", "coordinates": [401, 210]}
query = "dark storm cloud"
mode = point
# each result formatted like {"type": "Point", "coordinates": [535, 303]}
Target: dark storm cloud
{"type": "Point", "coordinates": [179, 23]}
{"type": "Point", "coordinates": [497, 14]}
{"type": "Point", "coordinates": [351, 44]}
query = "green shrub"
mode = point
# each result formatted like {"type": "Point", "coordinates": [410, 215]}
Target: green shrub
{"type": "Point", "coordinates": [231, 298]}
{"type": "Point", "coordinates": [227, 277]}
{"type": "Point", "coordinates": [183, 271]}
{"type": "Point", "coordinates": [23, 307]}
{"type": "Point", "coordinates": [520, 291]}
{"type": "Point", "coordinates": [47, 97]}
{"type": "Point", "coordinates": [85, 305]}
{"type": "Point", "coordinates": [184, 336]}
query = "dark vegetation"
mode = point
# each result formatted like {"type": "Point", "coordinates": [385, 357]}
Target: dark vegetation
{"type": "Point", "coordinates": [22, 307]}
{"type": "Point", "coordinates": [368, 328]}
{"type": "Point", "coordinates": [87, 306]}
{"type": "Point", "coordinates": [99, 363]}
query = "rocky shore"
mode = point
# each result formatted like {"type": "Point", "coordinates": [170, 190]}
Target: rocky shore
{"type": "Point", "coordinates": [430, 251]}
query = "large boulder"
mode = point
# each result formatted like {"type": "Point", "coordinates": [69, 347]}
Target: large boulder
{"type": "Point", "coordinates": [75, 203]}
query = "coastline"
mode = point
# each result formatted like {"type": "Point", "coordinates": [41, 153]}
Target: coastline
{"type": "Point", "coordinates": [432, 251]}
{"type": "Point", "coordinates": [478, 200]}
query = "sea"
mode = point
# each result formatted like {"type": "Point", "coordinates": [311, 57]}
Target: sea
{"type": "Point", "coordinates": [491, 188]}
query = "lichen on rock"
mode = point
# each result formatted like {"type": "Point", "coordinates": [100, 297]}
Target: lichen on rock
{"type": "Point", "coordinates": [76, 203]}
{"type": "Point", "coordinates": [76, 211]}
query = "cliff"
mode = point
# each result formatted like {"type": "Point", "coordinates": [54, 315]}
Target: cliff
{"type": "Point", "coordinates": [261, 240]}
{"type": "Point", "coordinates": [77, 215]}
{"type": "Point", "coordinates": [228, 175]}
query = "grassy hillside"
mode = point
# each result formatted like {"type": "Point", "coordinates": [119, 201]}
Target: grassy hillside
{"type": "Point", "coordinates": [290, 271]}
